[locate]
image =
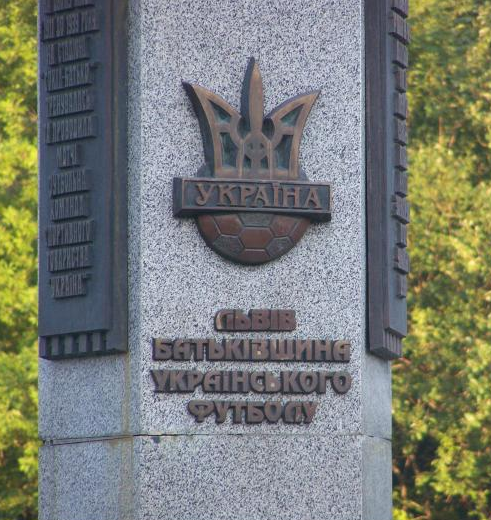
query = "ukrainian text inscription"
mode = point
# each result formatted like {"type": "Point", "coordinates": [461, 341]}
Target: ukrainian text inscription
{"type": "Point", "coordinates": [257, 350]}
{"type": "Point", "coordinates": [82, 175]}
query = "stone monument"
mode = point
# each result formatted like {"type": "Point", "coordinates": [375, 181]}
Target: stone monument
{"type": "Point", "coordinates": [222, 257]}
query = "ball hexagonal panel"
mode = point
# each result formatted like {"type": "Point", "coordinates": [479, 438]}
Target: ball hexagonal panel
{"type": "Point", "coordinates": [256, 219]}
{"type": "Point", "coordinates": [251, 238]}
{"type": "Point", "coordinates": [208, 227]}
{"type": "Point", "coordinates": [256, 238]}
{"type": "Point", "coordinates": [283, 226]}
{"type": "Point", "coordinates": [229, 224]}
{"type": "Point", "coordinates": [254, 256]}
{"type": "Point", "coordinates": [228, 245]}
{"type": "Point", "coordinates": [279, 246]}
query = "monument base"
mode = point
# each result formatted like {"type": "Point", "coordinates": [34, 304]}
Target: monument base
{"type": "Point", "coordinates": [292, 477]}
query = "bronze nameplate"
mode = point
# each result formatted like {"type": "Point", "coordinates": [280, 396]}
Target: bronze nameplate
{"type": "Point", "coordinates": [202, 195]}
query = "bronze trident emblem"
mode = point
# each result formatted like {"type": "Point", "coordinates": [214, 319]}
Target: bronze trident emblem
{"type": "Point", "coordinates": [252, 201]}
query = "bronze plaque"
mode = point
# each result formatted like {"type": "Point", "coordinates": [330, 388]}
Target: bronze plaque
{"type": "Point", "coordinates": [82, 178]}
{"type": "Point", "coordinates": [251, 200]}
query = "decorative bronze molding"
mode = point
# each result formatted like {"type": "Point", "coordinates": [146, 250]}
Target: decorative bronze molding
{"type": "Point", "coordinates": [387, 36]}
{"type": "Point", "coordinates": [251, 200]}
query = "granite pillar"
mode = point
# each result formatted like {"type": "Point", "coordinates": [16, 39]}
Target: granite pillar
{"type": "Point", "coordinates": [113, 449]}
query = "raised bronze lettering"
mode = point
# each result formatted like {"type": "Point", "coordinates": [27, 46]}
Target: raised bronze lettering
{"type": "Point", "coordinates": [204, 195]}
{"type": "Point", "coordinates": [341, 382]}
{"type": "Point", "coordinates": [200, 409]}
{"type": "Point", "coordinates": [225, 190]}
{"type": "Point", "coordinates": [255, 320]}
{"type": "Point", "coordinates": [257, 349]}
{"type": "Point", "coordinates": [293, 193]}
{"type": "Point", "coordinates": [69, 285]}
{"type": "Point", "coordinates": [162, 349]}
{"type": "Point", "coordinates": [70, 129]}
{"type": "Point", "coordinates": [67, 233]}
{"type": "Point", "coordinates": [312, 198]}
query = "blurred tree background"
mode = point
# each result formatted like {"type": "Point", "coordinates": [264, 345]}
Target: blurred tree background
{"type": "Point", "coordinates": [442, 388]}
{"type": "Point", "coordinates": [18, 296]}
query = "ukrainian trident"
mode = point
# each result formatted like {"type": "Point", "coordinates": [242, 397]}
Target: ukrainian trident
{"type": "Point", "coordinates": [251, 200]}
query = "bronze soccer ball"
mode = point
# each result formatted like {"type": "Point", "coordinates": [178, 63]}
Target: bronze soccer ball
{"type": "Point", "coordinates": [251, 238]}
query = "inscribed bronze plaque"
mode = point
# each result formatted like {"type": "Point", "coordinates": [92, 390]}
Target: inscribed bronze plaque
{"type": "Point", "coordinates": [251, 199]}
{"type": "Point", "coordinates": [82, 178]}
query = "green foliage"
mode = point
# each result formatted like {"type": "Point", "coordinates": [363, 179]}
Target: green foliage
{"type": "Point", "coordinates": [442, 405]}
{"type": "Point", "coordinates": [18, 305]}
